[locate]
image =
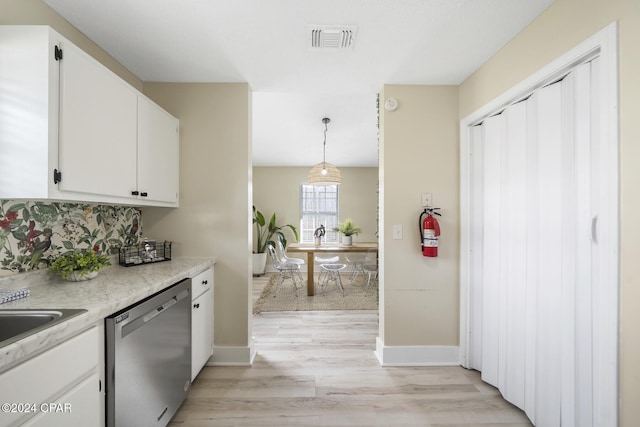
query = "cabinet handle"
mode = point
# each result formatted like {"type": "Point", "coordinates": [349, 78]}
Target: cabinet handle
{"type": "Point", "coordinates": [204, 282]}
{"type": "Point", "coordinates": [143, 194]}
{"type": "Point", "coordinates": [196, 305]}
{"type": "Point", "coordinates": [135, 193]}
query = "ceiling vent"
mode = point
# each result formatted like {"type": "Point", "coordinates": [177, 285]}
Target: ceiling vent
{"type": "Point", "coordinates": [331, 37]}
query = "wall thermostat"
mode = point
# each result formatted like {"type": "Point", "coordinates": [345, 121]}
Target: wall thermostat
{"type": "Point", "coordinates": [391, 104]}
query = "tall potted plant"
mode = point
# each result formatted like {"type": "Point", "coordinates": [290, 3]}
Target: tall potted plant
{"type": "Point", "coordinates": [348, 229]}
{"type": "Point", "coordinates": [265, 233]}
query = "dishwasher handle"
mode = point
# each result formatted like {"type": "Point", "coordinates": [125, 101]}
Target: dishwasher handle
{"type": "Point", "coordinates": [149, 315]}
{"type": "Point", "coordinates": [159, 309]}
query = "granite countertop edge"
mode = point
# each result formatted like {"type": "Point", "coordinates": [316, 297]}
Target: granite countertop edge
{"type": "Point", "coordinates": [116, 287]}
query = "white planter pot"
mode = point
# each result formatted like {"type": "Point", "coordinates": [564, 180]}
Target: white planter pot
{"type": "Point", "coordinates": [347, 240]}
{"type": "Point", "coordinates": [259, 263]}
{"type": "Point", "coordinates": [75, 277]}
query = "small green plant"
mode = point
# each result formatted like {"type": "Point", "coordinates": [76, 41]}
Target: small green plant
{"type": "Point", "coordinates": [348, 228]}
{"type": "Point", "coordinates": [82, 263]}
{"type": "Point", "coordinates": [265, 231]}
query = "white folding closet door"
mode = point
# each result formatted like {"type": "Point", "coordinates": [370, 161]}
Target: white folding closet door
{"type": "Point", "coordinates": [586, 267]}
{"type": "Point", "coordinates": [516, 209]}
{"type": "Point", "coordinates": [531, 265]}
{"type": "Point", "coordinates": [477, 221]}
{"type": "Point", "coordinates": [549, 234]}
{"type": "Point", "coordinates": [493, 140]}
{"type": "Point", "coordinates": [532, 274]}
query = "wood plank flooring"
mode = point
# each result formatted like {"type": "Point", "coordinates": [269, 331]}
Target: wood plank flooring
{"type": "Point", "coordinates": [318, 369]}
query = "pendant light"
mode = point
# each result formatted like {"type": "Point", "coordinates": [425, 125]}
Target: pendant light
{"type": "Point", "coordinates": [324, 173]}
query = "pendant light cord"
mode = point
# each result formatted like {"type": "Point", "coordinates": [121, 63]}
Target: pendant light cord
{"type": "Point", "coordinates": [324, 145]}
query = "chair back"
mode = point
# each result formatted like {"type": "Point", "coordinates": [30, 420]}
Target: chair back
{"type": "Point", "coordinates": [371, 260]}
{"type": "Point", "coordinates": [274, 257]}
{"type": "Point", "coordinates": [371, 257]}
{"type": "Point", "coordinates": [282, 255]}
{"type": "Point", "coordinates": [355, 257]}
{"type": "Point", "coordinates": [327, 259]}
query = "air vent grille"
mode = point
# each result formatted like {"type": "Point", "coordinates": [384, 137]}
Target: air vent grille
{"type": "Point", "coordinates": [331, 37]}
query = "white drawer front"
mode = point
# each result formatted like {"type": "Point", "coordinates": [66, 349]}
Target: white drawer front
{"type": "Point", "coordinates": [201, 283]}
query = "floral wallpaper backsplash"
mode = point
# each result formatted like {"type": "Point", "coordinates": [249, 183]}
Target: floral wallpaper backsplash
{"type": "Point", "coordinates": [34, 233]}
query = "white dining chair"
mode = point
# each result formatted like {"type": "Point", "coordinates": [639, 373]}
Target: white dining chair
{"type": "Point", "coordinates": [287, 271]}
{"type": "Point", "coordinates": [370, 266]}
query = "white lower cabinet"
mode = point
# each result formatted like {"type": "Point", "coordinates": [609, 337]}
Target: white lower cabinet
{"type": "Point", "coordinates": [60, 387]}
{"type": "Point", "coordinates": [201, 320]}
{"type": "Point", "coordinates": [75, 408]}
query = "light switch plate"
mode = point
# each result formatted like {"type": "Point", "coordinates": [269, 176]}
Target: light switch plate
{"type": "Point", "coordinates": [397, 231]}
{"type": "Point", "coordinates": [426, 200]}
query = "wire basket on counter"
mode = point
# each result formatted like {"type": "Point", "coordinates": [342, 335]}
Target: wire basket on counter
{"type": "Point", "coordinates": [144, 253]}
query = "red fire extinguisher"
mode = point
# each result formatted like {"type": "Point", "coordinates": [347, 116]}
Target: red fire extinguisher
{"type": "Point", "coordinates": [429, 232]}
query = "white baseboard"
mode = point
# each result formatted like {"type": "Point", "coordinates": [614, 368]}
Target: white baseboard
{"type": "Point", "coordinates": [232, 356]}
{"type": "Point", "coordinates": [417, 355]}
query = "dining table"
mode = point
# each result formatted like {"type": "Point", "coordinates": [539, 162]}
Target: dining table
{"type": "Point", "coordinates": [311, 249]}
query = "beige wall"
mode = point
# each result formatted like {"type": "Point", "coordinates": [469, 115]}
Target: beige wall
{"type": "Point", "coordinates": [277, 189]}
{"type": "Point", "coordinates": [35, 12]}
{"type": "Point", "coordinates": [561, 27]}
{"type": "Point", "coordinates": [419, 153]}
{"type": "Point", "coordinates": [215, 192]}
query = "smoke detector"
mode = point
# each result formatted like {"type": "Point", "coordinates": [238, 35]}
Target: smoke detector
{"type": "Point", "coordinates": [331, 37]}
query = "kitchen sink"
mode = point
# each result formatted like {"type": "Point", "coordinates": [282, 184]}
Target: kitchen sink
{"type": "Point", "coordinates": [18, 324]}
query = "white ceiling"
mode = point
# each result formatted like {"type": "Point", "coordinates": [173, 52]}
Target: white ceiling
{"type": "Point", "coordinates": [265, 43]}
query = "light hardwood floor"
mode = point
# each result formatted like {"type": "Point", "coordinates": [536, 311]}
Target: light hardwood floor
{"type": "Point", "coordinates": [319, 369]}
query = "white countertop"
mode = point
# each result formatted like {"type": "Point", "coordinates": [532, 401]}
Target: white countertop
{"type": "Point", "coordinates": [115, 288]}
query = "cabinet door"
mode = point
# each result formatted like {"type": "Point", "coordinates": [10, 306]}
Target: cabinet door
{"type": "Point", "coordinates": [98, 127]}
{"type": "Point", "coordinates": [201, 320]}
{"type": "Point", "coordinates": [201, 332]}
{"type": "Point", "coordinates": [79, 407]}
{"type": "Point", "coordinates": [158, 153]}
{"type": "Point", "coordinates": [27, 122]}
{"type": "Point", "coordinates": [44, 377]}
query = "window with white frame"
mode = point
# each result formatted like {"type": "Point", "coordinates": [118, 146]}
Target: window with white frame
{"type": "Point", "coordinates": [318, 206]}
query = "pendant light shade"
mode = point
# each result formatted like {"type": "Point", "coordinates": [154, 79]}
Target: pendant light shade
{"type": "Point", "coordinates": [324, 173]}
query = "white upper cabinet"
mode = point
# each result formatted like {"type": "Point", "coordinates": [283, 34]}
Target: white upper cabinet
{"type": "Point", "coordinates": [158, 153]}
{"type": "Point", "coordinates": [28, 112]}
{"type": "Point", "coordinates": [70, 129]}
{"type": "Point", "coordinates": [98, 127]}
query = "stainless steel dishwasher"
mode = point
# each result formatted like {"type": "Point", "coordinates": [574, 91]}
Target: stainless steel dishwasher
{"type": "Point", "coordinates": [148, 358]}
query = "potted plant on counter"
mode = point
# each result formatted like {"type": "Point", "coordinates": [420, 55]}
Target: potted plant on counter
{"type": "Point", "coordinates": [76, 266]}
{"type": "Point", "coordinates": [348, 229]}
{"type": "Point", "coordinates": [265, 232]}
